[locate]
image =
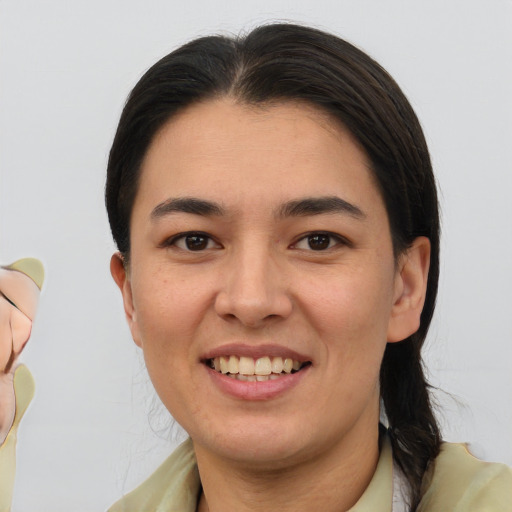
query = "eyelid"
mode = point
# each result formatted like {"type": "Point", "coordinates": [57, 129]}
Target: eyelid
{"type": "Point", "coordinates": [341, 240]}
{"type": "Point", "coordinates": [171, 241]}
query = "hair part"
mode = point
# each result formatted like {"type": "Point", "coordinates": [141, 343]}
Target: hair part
{"type": "Point", "coordinates": [285, 62]}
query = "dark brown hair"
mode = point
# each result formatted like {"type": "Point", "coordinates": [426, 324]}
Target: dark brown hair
{"type": "Point", "coordinates": [288, 62]}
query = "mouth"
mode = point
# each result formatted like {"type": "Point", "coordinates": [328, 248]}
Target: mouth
{"type": "Point", "coordinates": [255, 369]}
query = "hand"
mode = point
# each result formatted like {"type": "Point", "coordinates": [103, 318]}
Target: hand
{"type": "Point", "coordinates": [19, 294]}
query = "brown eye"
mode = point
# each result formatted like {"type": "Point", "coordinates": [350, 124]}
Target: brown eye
{"type": "Point", "coordinates": [196, 242]}
{"type": "Point", "coordinates": [193, 242]}
{"type": "Point", "coordinates": [319, 242]}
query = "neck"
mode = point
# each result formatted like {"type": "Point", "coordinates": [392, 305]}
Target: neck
{"type": "Point", "coordinates": [332, 481]}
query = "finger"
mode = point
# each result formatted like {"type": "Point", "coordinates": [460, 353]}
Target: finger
{"type": "Point", "coordinates": [5, 334]}
{"type": "Point", "coordinates": [21, 327]}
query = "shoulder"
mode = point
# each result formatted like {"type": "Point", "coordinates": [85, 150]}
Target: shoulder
{"type": "Point", "coordinates": [173, 487]}
{"type": "Point", "coordinates": [459, 482]}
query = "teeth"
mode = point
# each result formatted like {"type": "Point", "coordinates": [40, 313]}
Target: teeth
{"type": "Point", "coordinates": [263, 366]}
{"type": "Point", "coordinates": [277, 364]}
{"type": "Point", "coordinates": [246, 365]}
{"type": "Point", "coordinates": [233, 364]}
{"type": "Point", "coordinates": [249, 369]}
{"type": "Point", "coordinates": [224, 364]}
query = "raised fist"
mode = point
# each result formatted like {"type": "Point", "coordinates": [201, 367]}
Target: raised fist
{"type": "Point", "coordinates": [20, 285]}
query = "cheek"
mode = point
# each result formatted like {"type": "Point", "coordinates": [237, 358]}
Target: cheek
{"type": "Point", "coordinates": [351, 315]}
{"type": "Point", "coordinates": [168, 312]}
{"type": "Point", "coordinates": [170, 316]}
{"type": "Point", "coordinates": [359, 300]}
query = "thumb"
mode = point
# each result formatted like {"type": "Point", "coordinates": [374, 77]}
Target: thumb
{"type": "Point", "coordinates": [21, 327]}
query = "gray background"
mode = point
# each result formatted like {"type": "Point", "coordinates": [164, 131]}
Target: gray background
{"type": "Point", "coordinates": [95, 428]}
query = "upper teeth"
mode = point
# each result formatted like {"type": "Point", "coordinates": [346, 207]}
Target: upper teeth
{"type": "Point", "coordinates": [249, 366]}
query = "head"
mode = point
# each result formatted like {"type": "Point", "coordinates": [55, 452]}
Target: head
{"type": "Point", "coordinates": [290, 67]}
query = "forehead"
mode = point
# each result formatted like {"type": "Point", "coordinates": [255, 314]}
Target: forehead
{"type": "Point", "coordinates": [275, 152]}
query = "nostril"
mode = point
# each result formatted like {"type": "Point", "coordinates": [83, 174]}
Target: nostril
{"type": "Point", "coordinates": [252, 303]}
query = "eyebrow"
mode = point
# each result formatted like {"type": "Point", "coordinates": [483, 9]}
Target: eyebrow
{"type": "Point", "coordinates": [297, 208]}
{"type": "Point", "coordinates": [187, 205]}
{"type": "Point", "coordinates": [318, 206]}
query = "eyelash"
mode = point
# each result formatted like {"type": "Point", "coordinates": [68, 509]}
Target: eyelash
{"type": "Point", "coordinates": [333, 240]}
{"type": "Point", "coordinates": [173, 241]}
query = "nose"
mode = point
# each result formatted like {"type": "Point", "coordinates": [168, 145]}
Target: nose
{"type": "Point", "coordinates": [254, 291]}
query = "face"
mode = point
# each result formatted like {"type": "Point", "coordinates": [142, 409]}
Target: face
{"type": "Point", "coordinates": [262, 285]}
{"type": "Point", "coordinates": [18, 302]}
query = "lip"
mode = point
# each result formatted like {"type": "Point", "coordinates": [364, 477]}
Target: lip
{"type": "Point", "coordinates": [256, 391]}
{"type": "Point", "coordinates": [255, 351]}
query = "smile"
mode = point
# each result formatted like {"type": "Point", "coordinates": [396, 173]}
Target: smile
{"type": "Point", "coordinates": [255, 370]}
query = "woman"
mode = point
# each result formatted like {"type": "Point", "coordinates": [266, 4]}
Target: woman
{"type": "Point", "coordinates": [274, 206]}
{"type": "Point", "coordinates": [276, 216]}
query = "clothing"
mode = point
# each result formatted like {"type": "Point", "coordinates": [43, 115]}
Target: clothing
{"type": "Point", "coordinates": [181, 494]}
{"type": "Point", "coordinates": [457, 482]}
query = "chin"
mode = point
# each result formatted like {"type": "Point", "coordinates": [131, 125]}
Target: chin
{"type": "Point", "coordinates": [262, 443]}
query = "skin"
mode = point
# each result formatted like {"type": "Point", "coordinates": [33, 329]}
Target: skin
{"type": "Point", "coordinates": [256, 281]}
{"type": "Point", "coordinates": [19, 296]}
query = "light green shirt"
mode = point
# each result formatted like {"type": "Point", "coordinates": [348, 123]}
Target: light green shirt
{"type": "Point", "coordinates": [175, 486]}
{"type": "Point", "coordinates": [457, 482]}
